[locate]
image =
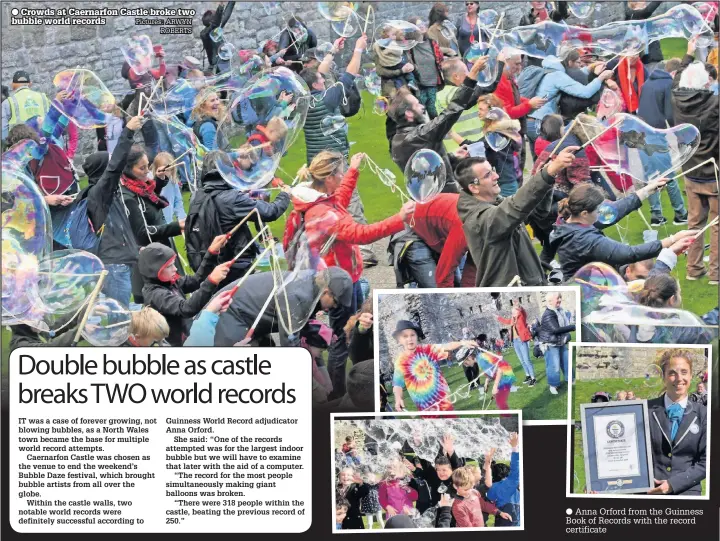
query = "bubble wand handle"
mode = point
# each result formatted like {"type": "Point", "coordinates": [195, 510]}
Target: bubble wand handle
{"type": "Point", "coordinates": [497, 27]}
{"type": "Point", "coordinates": [613, 125]}
{"type": "Point", "coordinates": [560, 142]}
{"type": "Point", "coordinates": [91, 303]}
{"type": "Point", "coordinates": [708, 226]}
{"type": "Point", "coordinates": [241, 222]}
{"type": "Point", "coordinates": [264, 307]}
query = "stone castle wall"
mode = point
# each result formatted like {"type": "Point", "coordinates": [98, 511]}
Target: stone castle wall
{"type": "Point", "coordinates": [593, 363]}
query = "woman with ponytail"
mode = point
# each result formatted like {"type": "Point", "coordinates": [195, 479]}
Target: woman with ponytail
{"type": "Point", "coordinates": [321, 220]}
{"type": "Point", "coordinates": [662, 292]}
{"type": "Point", "coordinates": [579, 239]}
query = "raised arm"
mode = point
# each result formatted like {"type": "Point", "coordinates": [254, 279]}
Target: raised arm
{"type": "Point", "coordinates": [100, 196]}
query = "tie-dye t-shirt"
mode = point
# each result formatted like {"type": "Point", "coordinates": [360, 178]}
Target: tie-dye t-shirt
{"type": "Point", "coordinates": [419, 372]}
{"type": "Point", "coordinates": [490, 364]}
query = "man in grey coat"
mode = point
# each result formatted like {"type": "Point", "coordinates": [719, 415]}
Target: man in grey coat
{"type": "Point", "coordinates": [495, 227]}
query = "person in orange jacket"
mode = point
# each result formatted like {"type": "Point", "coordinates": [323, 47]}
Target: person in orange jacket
{"type": "Point", "coordinates": [321, 220]}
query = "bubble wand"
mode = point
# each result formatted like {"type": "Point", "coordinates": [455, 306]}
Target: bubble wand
{"type": "Point", "coordinates": [249, 244]}
{"type": "Point", "coordinates": [560, 142]}
{"type": "Point", "coordinates": [367, 17]}
{"type": "Point", "coordinates": [91, 303]}
{"type": "Point", "coordinates": [239, 225]}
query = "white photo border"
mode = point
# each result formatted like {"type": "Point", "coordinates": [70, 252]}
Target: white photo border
{"type": "Point", "coordinates": [394, 415]}
{"type": "Point", "coordinates": [571, 425]}
{"type": "Point", "coordinates": [475, 290]}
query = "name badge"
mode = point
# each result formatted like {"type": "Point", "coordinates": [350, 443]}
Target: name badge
{"type": "Point", "coordinates": [694, 428]}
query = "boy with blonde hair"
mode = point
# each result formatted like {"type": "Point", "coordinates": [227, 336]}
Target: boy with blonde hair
{"type": "Point", "coordinates": [147, 327]}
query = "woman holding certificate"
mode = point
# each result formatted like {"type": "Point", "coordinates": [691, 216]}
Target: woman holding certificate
{"type": "Point", "coordinates": [678, 430]}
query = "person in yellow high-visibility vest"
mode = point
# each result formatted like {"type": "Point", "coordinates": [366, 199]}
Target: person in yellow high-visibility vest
{"type": "Point", "coordinates": [23, 104]}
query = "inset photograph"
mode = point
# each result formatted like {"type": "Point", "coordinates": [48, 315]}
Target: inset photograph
{"type": "Point", "coordinates": [408, 473]}
{"type": "Point", "coordinates": [643, 305]}
{"type": "Point", "coordinates": [470, 349]}
{"type": "Point", "coordinates": [640, 421]}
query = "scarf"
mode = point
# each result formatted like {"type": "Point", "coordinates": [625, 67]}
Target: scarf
{"type": "Point", "coordinates": [562, 319]}
{"type": "Point", "coordinates": [675, 413]}
{"type": "Point", "coordinates": [632, 98]}
{"type": "Point", "coordinates": [144, 189]}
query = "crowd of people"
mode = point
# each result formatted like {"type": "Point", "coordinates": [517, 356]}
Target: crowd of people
{"type": "Point", "coordinates": [474, 233]}
{"type": "Point", "coordinates": [414, 492]}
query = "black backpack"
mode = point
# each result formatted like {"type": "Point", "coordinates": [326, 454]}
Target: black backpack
{"type": "Point", "coordinates": [354, 101]}
{"type": "Point", "coordinates": [202, 225]}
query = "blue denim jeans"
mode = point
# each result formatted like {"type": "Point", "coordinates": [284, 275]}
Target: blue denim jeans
{"type": "Point", "coordinates": [676, 200]}
{"type": "Point", "coordinates": [533, 130]}
{"type": "Point", "coordinates": [522, 349]}
{"type": "Point", "coordinates": [421, 265]}
{"type": "Point", "coordinates": [556, 359]}
{"type": "Point", "coordinates": [118, 283]}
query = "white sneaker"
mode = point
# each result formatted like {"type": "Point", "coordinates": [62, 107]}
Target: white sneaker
{"type": "Point", "coordinates": [553, 390]}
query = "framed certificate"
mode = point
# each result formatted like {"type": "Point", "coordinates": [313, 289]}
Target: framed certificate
{"type": "Point", "coordinates": [616, 444]}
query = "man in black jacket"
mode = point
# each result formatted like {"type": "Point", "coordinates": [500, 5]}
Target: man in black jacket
{"type": "Point", "coordinates": [213, 20]}
{"type": "Point", "coordinates": [415, 131]}
{"type": "Point", "coordinates": [118, 249]}
{"type": "Point", "coordinates": [694, 103]}
{"type": "Point", "coordinates": [232, 206]}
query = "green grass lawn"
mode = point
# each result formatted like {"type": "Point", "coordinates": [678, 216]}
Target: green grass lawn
{"type": "Point", "coordinates": [536, 402]}
{"type": "Point", "coordinates": [367, 131]}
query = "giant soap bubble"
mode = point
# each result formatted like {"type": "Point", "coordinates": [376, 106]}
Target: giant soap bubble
{"type": "Point", "coordinates": [67, 278]}
{"type": "Point", "coordinates": [88, 102]}
{"type": "Point", "coordinates": [581, 10]}
{"type": "Point", "coordinates": [635, 148]}
{"type": "Point", "coordinates": [337, 11]}
{"type": "Point", "coordinates": [108, 324]}
{"type": "Point", "coordinates": [138, 53]}
{"type": "Point", "coordinates": [425, 175]}
{"type": "Point", "coordinates": [263, 120]}
{"type": "Point", "coordinates": [399, 35]}
{"type": "Point", "coordinates": [597, 281]}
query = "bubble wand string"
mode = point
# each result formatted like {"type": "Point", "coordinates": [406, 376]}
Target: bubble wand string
{"type": "Point", "coordinates": [367, 18]}
{"type": "Point", "coordinates": [497, 27]}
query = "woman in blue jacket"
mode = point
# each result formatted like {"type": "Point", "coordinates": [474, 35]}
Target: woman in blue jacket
{"type": "Point", "coordinates": [580, 240]}
{"type": "Point", "coordinates": [553, 84]}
